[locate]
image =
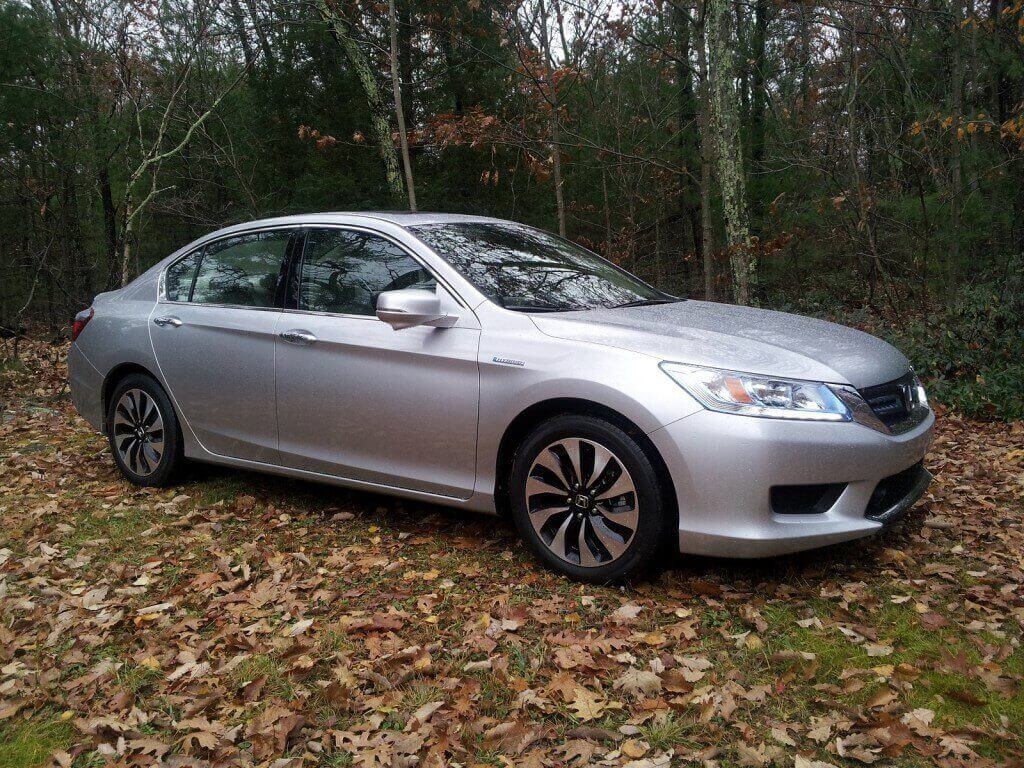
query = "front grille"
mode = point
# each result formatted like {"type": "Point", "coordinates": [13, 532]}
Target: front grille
{"type": "Point", "coordinates": [896, 493]}
{"type": "Point", "coordinates": [892, 402]}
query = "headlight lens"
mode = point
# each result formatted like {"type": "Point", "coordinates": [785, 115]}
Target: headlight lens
{"type": "Point", "coordinates": [764, 396]}
{"type": "Point", "coordinates": [922, 396]}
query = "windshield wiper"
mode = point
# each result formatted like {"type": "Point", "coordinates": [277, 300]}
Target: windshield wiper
{"type": "Point", "coordinates": [645, 303]}
{"type": "Point", "coordinates": [537, 308]}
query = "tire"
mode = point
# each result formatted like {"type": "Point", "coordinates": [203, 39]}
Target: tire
{"type": "Point", "coordinates": [155, 460]}
{"type": "Point", "coordinates": [622, 518]}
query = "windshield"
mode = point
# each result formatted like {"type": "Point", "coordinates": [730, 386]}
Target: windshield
{"type": "Point", "coordinates": [525, 269]}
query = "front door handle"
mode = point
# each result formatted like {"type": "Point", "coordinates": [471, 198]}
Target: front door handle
{"type": "Point", "coordinates": [298, 337]}
{"type": "Point", "coordinates": [171, 321]}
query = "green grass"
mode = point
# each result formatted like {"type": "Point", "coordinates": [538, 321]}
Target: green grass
{"type": "Point", "coordinates": [138, 677]}
{"type": "Point", "coordinates": [665, 732]}
{"type": "Point", "coordinates": [28, 743]}
{"type": "Point", "coordinates": [259, 666]}
{"type": "Point", "coordinates": [936, 688]}
{"type": "Point", "coordinates": [120, 528]}
{"type": "Point", "coordinates": [336, 760]}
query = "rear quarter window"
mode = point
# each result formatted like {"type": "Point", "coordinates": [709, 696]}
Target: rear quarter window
{"type": "Point", "coordinates": [179, 276]}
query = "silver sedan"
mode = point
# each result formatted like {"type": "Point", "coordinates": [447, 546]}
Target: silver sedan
{"type": "Point", "coordinates": [483, 364]}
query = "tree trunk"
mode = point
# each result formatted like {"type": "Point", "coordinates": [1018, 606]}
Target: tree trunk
{"type": "Point", "coordinates": [379, 118]}
{"type": "Point", "coordinates": [238, 19]}
{"type": "Point", "coordinates": [109, 216]}
{"type": "Point", "coordinates": [706, 118]}
{"type": "Point", "coordinates": [955, 175]}
{"type": "Point", "coordinates": [759, 94]}
{"type": "Point", "coordinates": [405, 59]}
{"type": "Point", "coordinates": [728, 149]}
{"type": "Point", "coordinates": [553, 126]}
{"type": "Point", "coordinates": [688, 152]}
{"type": "Point", "coordinates": [399, 109]}
{"type": "Point", "coordinates": [126, 243]}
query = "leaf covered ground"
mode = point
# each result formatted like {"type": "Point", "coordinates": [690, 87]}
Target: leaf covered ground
{"type": "Point", "coordinates": [240, 619]}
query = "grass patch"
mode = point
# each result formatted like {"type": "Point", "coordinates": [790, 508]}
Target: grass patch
{"type": "Point", "coordinates": [29, 743]}
{"type": "Point", "coordinates": [120, 528]}
{"type": "Point", "coordinates": [952, 695]}
{"type": "Point", "coordinates": [263, 665]}
{"type": "Point", "coordinates": [138, 677]}
{"type": "Point", "coordinates": [666, 731]}
{"type": "Point", "coordinates": [336, 760]}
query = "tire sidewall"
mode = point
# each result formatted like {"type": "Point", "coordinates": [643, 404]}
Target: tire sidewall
{"type": "Point", "coordinates": [172, 456]}
{"type": "Point", "coordinates": [642, 550]}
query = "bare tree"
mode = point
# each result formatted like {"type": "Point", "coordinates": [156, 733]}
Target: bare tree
{"type": "Point", "coordinates": [152, 158]}
{"type": "Point", "coordinates": [399, 109]}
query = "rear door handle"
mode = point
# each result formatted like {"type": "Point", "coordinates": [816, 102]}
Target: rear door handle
{"type": "Point", "coordinates": [298, 337]}
{"type": "Point", "coordinates": [171, 321]}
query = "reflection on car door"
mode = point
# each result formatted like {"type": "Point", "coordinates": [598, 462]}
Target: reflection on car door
{"type": "Point", "coordinates": [214, 337]}
{"type": "Point", "coordinates": [359, 400]}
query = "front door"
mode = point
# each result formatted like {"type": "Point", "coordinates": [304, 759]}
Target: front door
{"type": "Point", "coordinates": [214, 335]}
{"type": "Point", "coordinates": [359, 400]}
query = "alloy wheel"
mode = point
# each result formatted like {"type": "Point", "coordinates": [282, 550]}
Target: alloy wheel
{"type": "Point", "coordinates": [139, 432]}
{"type": "Point", "coordinates": [582, 502]}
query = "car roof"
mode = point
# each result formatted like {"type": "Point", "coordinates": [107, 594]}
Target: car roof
{"type": "Point", "coordinates": [401, 218]}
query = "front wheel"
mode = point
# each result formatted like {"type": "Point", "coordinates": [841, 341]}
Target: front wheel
{"type": "Point", "coordinates": [586, 499]}
{"type": "Point", "coordinates": [143, 432]}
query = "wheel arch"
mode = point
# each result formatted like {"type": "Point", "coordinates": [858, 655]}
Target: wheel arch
{"type": "Point", "coordinates": [532, 416]}
{"type": "Point", "coordinates": [115, 376]}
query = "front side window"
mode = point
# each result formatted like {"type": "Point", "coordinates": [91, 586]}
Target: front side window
{"type": "Point", "coordinates": [179, 276]}
{"type": "Point", "coordinates": [242, 270]}
{"type": "Point", "coordinates": [525, 269]}
{"type": "Point", "coordinates": [344, 271]}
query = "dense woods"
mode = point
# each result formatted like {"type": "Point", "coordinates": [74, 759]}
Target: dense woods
{"type": "Point", "coordinates": [851, 158]}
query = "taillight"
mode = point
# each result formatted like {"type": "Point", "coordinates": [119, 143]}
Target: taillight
{"type": "Point", "coordinates": [81, 320]}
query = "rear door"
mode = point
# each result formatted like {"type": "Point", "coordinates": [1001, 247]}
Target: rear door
{"type": "Point", "coordinates": [214, 333]}
{"type": "Point", "coordinates": [359, 400]}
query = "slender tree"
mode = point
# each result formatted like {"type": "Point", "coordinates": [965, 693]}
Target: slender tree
{"type": "Point", "coordinates": [396, 86]}
{"type": "Point", "coordinates": [728, 149]}
{"type": "Point", "coordinates": [380, 120]}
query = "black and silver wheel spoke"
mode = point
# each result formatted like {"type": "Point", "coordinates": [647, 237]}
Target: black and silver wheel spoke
{"type": "Point", "coordinates": [138, 432]}
{"type": "Point", "coordinates": [582, 502]}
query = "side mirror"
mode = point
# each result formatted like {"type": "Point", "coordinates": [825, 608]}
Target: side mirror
{"type": "Point", "coordinates": [410, 307]}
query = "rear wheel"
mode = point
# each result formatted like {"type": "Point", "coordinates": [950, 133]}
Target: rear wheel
{"type": "Point", "coordinates": [143, 431]}
{"type": "Point", "coordinates": [586, 499]}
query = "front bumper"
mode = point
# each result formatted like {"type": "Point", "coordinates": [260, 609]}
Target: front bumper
{"type": "Point", "coordinates": [723, 467]}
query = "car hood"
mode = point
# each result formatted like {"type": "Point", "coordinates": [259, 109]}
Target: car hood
{"type": "Point", "coordinates": [738, 338]}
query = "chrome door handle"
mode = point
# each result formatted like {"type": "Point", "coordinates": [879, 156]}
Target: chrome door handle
{"type": "Point", "coordinates": [298, 337]}
{"type": "Point", "coordinates": [171, 321]}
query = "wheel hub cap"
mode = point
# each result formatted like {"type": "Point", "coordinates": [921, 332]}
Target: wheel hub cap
{"type": "Point", "coordinates": [582, 502]}
{"type": "Point", "coordinates": [139, 432]}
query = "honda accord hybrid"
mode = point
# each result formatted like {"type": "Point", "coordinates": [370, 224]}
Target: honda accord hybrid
{"type": "Point", "coordinates": [483, 364]}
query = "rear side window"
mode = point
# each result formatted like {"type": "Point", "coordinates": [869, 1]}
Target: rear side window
{"type": "Point", "coordinates": [179, 276]}
{"type": "Point", "coordinates": [344, 271]}
{"type": "Point", "coordinates": [242, 271]}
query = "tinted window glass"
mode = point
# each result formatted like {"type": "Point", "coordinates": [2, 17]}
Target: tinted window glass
{"type": "Point", "coordinates": [242, 270]}
{"type": "Point", "coordinates": [344, 271]}
{"type": "Point", "coordinates": [178, 278]}
{"type": "Point", "coordinates": [524, 268]}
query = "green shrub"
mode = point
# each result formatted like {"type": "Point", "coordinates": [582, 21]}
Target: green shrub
{"type": "Point", "coordinates": [972, 355]}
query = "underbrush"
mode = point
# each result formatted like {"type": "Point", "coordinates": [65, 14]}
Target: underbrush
{"type": "Point", "coordinates": [969, 351]}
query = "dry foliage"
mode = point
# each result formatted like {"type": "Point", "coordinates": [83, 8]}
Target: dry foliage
{"type": "Point", "coordinates": [247, 620]}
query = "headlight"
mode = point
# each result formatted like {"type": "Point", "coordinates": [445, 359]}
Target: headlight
{"type": "Point", "coordinates": [765, 396]}
{"type": "Point", "coordinates": [921, 395]}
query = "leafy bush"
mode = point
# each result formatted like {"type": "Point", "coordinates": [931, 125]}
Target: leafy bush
{"type": "Point", "coordinates": [971, 356]}
{"type": "Point", "coordinates": [969, 352]}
